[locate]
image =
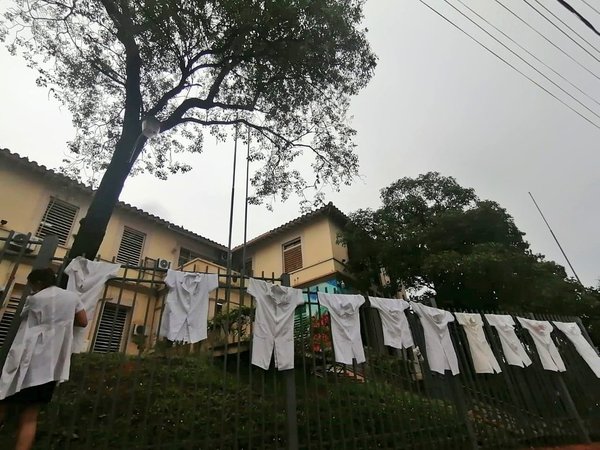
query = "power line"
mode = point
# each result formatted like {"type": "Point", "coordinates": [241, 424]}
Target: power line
{"type": "Point", "coordinates": [530, 65]}
{"type": "Point", "coordinates": [560, 29]}
{"type": "Point", "coordinates": [569, 8]}
{"type": "Point", "coordinates": [527, 51]}
{"type": "Point", "coordinates": [584, 1]}
{"type": "Point", "coordinates": [548, 40]}
{"type": "Point", "coordinates": [510, 65]}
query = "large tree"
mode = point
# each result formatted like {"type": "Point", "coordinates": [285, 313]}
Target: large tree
{"type": "Point", "coordinates": [438, 238]}
{"type": "Point", "coordinates": [282, 69]}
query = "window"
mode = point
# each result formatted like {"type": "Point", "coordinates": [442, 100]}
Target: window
{"type": "Point", "coordinates": [186, 255]}
{"type": "Point", "coordinates": [7, 318]}
{"type": "Point", "coordinates": [110, 329]}
{"type": "Point", "coordinates": [58, 220]}
{"type": "Point", "coordinates": [248, 267]}
{"type": "Point", "coordinates": [132, 244]}
{"type": "Point", "coordinates": [292, 256]}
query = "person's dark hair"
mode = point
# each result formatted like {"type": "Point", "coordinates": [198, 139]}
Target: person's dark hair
{"type": "Point", "coordinates": [45, 277]}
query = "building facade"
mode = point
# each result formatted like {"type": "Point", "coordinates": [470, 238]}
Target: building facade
{"type": "Point", "coordinates": [41, 202]}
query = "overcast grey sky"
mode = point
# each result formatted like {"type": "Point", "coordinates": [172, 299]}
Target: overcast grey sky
{"type": "Point", "coordinates": [438, 101]}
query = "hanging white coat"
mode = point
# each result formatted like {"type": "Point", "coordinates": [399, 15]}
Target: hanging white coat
{"type": "Point", "coordinates": [345, 326]}
{"type": "Point", "coordinates": [396, 331]}
{"type": "Point", "coordinates": [441, 355]}
{"type": "Point", "coordinates": [185, 317]}
{"type": "Point", "coordinates": [583, 347]}
{"type": "Point", "coordinates": [513, 349]}
{"type": "Point", "coordinates": [273, 323]}
{"type": "Point", "coordinates": [41, 351]}
{"type": "Point", "coordinates": [482, 356]}
{"type": "Point", "coordinates": [540, 332]}
{"type": "Point", "coordinates": [87, 279]}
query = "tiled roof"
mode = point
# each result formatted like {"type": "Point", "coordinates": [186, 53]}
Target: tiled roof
{"type": "Point", "coordinates": [38, 168]}
{"type": "Point", "coordinates": [328, 210]}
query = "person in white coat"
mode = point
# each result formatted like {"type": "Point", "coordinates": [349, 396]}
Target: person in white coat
{"type": "Point", "coordinates": [40, 355]}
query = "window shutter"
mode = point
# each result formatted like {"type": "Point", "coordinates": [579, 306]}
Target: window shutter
{"type": "Point", "coordinates": [58, 220]}
{"type": "Point", "coordinates": [292, 256]}
{"type": "Point", "coordinates": [110, 329]}
{"type": "Point", "coordinates": [132, 244]}
{"type": "Point", "coordinates": [7, 318]}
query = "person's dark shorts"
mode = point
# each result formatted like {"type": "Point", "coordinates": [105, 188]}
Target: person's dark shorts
{"type": "Point", "coordinates": [35, 395]}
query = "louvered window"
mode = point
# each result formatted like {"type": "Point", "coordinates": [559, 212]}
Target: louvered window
{"type": "Point", "coordinates": [58, 220]}
{"type": "Point", "coordinates": [292, 256]}
{"type": "Point", "coordinates": [132, 244]}
{"type": "Point", "coordinates": [110, 329]}
{"type": "Point", "coordinates": [7, 317]}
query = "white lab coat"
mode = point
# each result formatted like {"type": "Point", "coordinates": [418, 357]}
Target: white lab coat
{"type": "Point", "coordinates": [540, 332]}
{"type": "Point", "coordinates": [396, 331]}
{"type": "Point", "coordinates": [273, 323]}
{"type": "Point", "coordinates": [345, 326]}
{"type": "Point", "coordinates": [87, 279]}
{"type": "Point", "coordinates": [513, 349]}
{"type": "Point", "coordinates": [483, 358]}
{"type": "Point", "coordinates": [583, 347]}
{"type": "Point", "coordinates": [41, 351]}
{"type": "Point", "coordinates": [441, 355]}
{"type": "Point", "coordinates": [185, 318]}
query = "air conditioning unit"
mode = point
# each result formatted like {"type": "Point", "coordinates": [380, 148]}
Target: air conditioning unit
{"type": "Point", "coordinates": [163, 264]}
{"type": "Point", "coordinates": [20, 240]}
{"type": "Point", "coordinates": [139, 330]}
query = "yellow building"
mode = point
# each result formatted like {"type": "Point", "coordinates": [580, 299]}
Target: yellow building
{"type": "Point", "coordinates": [306, 248]}
{"type": "Point", "coordinates": [42, 202]}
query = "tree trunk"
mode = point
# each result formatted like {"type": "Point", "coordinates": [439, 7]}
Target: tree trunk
{"type": "Point", "coordinates": [93, 227]}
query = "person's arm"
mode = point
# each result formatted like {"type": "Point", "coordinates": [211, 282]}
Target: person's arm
{"type": "Point", "coordinates": [81, 319]}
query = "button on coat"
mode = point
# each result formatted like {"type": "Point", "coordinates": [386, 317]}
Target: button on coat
{"type": "Point", "coordinates": [87, 279]}
{"type": "Point", "coordinates": [441, 355]}
{"type": "Point", "coordinates": [513, 349]}
{"type": "Point", "coordinates": [396, 331]}
{"type": "Point", "coordinates": [583, 347]}
{"type": "Point", "coordinates": [345, 326]}
{"type": "Point", "coordinates": [483, 358]}
{"type": "Point", "coordinates": [185, 317]}
{"type": "Point", "coordinates": [540, 332]}
{"type": "Point", "coordinates": [41, 351]}
{"type": "Point", "coordinates": [274, 323]}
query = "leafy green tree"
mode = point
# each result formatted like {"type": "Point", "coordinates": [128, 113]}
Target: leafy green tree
{"type": "Point", "coordinates": [282, 70]}
{"type": "Point", "coordinates": [439, 238]}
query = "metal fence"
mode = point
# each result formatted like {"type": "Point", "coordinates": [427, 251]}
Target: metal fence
{"type": "Point", "coordinates": [134, 390]}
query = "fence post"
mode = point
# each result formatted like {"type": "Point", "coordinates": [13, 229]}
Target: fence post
{"type": "Point", "coordinates": [41, 261]}
{"type": "Point", "coordinates": [290, 394]}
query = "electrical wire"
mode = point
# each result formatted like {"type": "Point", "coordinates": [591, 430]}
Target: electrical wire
{"type": "Point", "coordinates": [586, 3]}
{"type": "Point", "coordinates": [528, 52]}
{"type": "Point", "coordinates": [577, 14]}
{"type": "Point", "coordinates": [511, 65]}
{"type": "Point", "coordinates": [522, 59]}
{"type": "Point", "coordinates": [548, 40]}
{"type": "Point", "coordinates": [561, 30]}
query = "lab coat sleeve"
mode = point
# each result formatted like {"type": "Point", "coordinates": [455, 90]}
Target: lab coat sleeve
{"type": "Point", "coordinates": [171, 278]}
{"type": "Point", "coordinates": [213, 281]}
